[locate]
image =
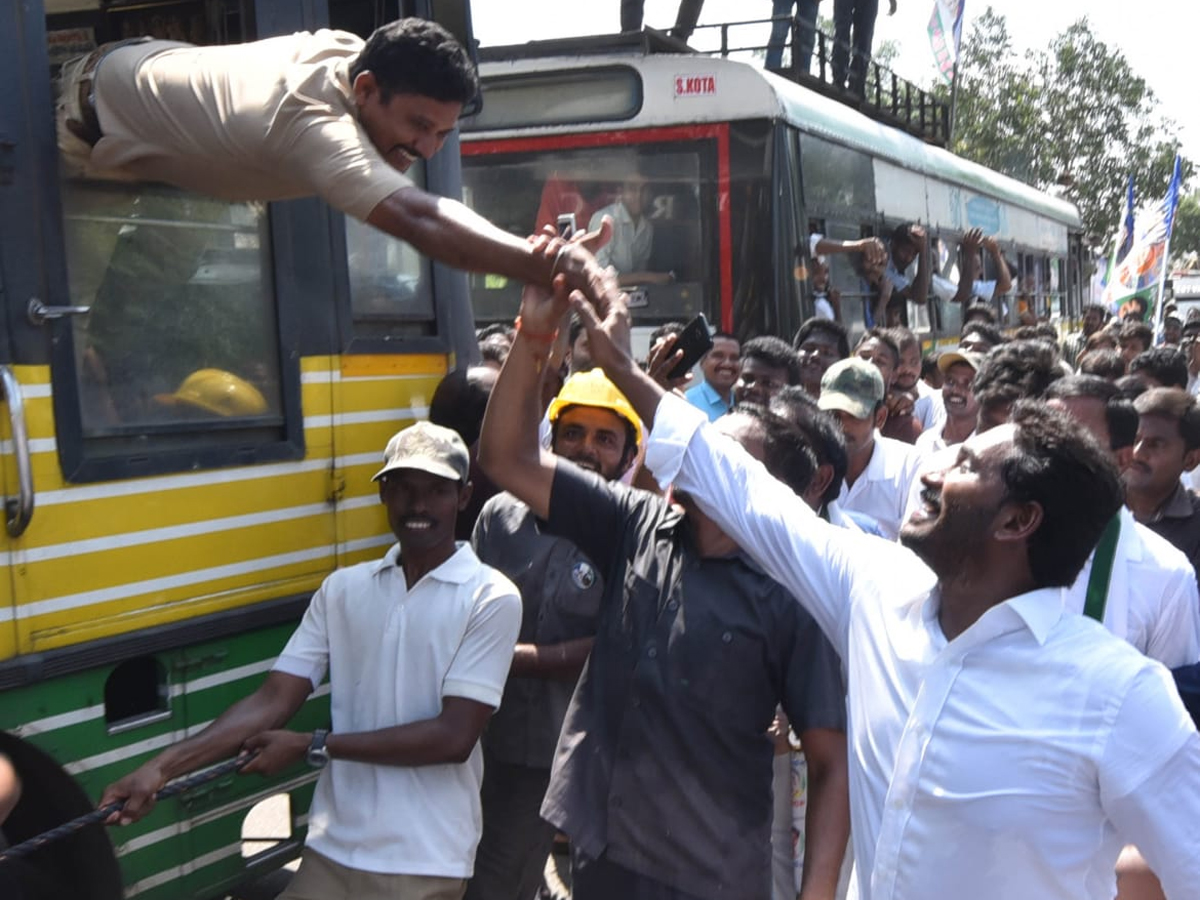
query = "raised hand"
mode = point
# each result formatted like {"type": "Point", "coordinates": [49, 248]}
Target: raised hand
{"type": "Point", "coordinates": [662, 359]}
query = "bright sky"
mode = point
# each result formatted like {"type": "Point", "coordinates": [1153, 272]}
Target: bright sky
{"type": "Point", "coordinates": [1150, 34]}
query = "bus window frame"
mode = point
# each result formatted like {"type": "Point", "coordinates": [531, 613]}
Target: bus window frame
{"type": "Point", "coordinates": [629, 137]}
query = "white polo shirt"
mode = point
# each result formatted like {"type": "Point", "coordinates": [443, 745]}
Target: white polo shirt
{"type": "Point", "coordinates": [392, 654]}
{"type": "Point", "coordinates": [881, 491]}
{"type": "Point", "coordinates": [1152, 602]}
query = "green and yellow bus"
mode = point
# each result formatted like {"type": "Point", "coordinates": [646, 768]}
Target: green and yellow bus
{"type": "Point", "coordinates": [196, 394]}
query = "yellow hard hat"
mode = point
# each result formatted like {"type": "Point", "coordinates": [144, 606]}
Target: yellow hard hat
{"type": "Point", "coordinates": [218, 392]}
{"type": "Point", "coordinates": [593, 388]}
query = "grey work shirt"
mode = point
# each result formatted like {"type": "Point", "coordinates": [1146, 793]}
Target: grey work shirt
{"type": "Point", "coordinates": [560, 600]}
{"type": "Point", "coordinates": [664, 760]}
{"type": "Point", "coordinates": [1179, 522]}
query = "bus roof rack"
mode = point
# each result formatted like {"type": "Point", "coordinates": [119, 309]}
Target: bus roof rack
{"type": "Point", "coordinates": [886, 97]}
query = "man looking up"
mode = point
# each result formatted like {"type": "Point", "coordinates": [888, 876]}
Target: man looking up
{"type": "Point", "coordinates": [662, 779]}
{"type": "Point", "coordinates": [990, 731]}
{"type": "Point", "coordinates": [305, 114]}
{"type": "Point", "coordinates": [1167, 447]}
{"type": "Point", "coordinates": [768, 365]}
{"type": "Point", "coordinates": [819, 344]}
{"type": "Point", "coordinates": [721, 366]}
{"type": "Point", "coordinates": [1136, 584]}
{"type": "Point", "coordinates": [417, 646]}
{"type": "Point", "coordinates": [595, 428]}
{"type": "Point", "coordinates": [879, 469]}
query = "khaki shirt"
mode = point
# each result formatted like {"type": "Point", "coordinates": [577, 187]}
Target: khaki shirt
{"type": "Point", "coordinates": [269, 120]}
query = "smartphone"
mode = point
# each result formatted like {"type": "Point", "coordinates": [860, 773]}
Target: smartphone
{"type": "Point", "coordinates": [695, 340]}
{"type": "Point", "coordinates": [566, 225]}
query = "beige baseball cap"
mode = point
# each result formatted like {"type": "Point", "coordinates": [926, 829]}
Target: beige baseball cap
{"type": "Point", "coordinates": [953, 357]}
{"type": "Point", "coordinates": [428, 448]}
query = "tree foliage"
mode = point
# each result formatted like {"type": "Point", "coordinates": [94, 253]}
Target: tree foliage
{"type": "Point", "coordinates": [1186, 236]}
{"type": "Point", "coordinates": [1073, 116]}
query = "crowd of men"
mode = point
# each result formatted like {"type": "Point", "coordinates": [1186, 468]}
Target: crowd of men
{"type": "Point", "coordinates": [955, 583]}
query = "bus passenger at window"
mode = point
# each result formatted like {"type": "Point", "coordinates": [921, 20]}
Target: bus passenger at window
{"type": "Point", "coordinates": [633, 236]}
{"type": "Point", "coordinates": [827, 301]}
{"type": "Point", "coordinates": [309, 114]}
{"type": "Point", "coordinates": [970, 284]}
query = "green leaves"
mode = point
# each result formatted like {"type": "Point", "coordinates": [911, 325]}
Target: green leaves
{"type": "Point", "coordinates": [1073, 116]}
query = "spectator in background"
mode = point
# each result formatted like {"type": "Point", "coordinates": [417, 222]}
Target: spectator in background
{"type": "Point", "coordinates": [879, 469]}
{"type": "Point", "coordinates": [1161, 367]}
{"type": "Point", "coordinates": [881, 346]}
{"type": "Point", "coordinates": [853, 34]}
{"type": "Point", "coordinates": [1106, 363]}
{"type": "Point", "coordinates": [579, 358]}
{"type": "Point", "coordinates": [633, 235]}
{"type": "Point", "coordinates": [1189, 343]}
{"type": "Point", "coordinates": [1131, 386]}
{"type": "Point", "coordinates": [1172, 328]}
{"type": "Point", "coordinates": [1094, 317]}
{"type": "Point", "coordinates": [819, 344]}
{"type": "Point", "coordinates": [931, 375]}
{"type": "Point", "coordinates": [1167, 448]}
{"type": "Point", "coordinates": [827, 301]}
{"type": "Point", "coordinates": [805, 35]}
{"type": "Point", "coordinates": [1018, 370]}
{"type": "Point", "coordinates": [721, 366]}
{"type": "Point", "coordinates": [970, 286]}
{"type": "Point", "coordinates": [979, 312]}
{"type": "Point", "coordinates": [927, 406]}
{"type": "Point", "coordinates": [1148, 594]}
{"type": "Point", "coordinates": [768, 364]}
{"type": "Point", "coordinates": [1134, 337]}
{"type": "Point", "coordinates": [980, 337]}
{"type": "Point", "coordinates": [1104, 339]}
{"type": "Point", "coordinates": [458, 403]}
{"type": "Point", "coordinates": [495, 341]}
{"type": "Point", "coordinates": [961, 411]}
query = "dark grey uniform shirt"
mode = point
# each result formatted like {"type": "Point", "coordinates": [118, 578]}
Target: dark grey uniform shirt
{"type": "Point", "coordinates": [1179, 522]}
{"type": "Point", "coordinates": [664, 760]}
{"type": "Point", "coordinates": [560, 600]}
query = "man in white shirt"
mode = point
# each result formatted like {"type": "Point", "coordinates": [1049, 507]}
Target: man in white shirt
{"type": "Point", "coordinates": [1000, 747]}
{"type": "Point", "coordinates": [1149, 591]}
{"type": "Point", "coordinates": [417, 646]}
{"type": "Point", "coordinates": [958, 368]}
{"type": "Point", "coordinates": [879, 469]}
{"type": "Point", "coordinates": [633, 236]}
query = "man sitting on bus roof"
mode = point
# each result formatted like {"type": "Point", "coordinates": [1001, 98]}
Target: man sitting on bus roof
{"type": "Point", "coordinates": [305, 114]}
{"type": "Point", "coordinates": [417, 646]}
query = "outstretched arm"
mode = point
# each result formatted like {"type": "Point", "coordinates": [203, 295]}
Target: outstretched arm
{"type": "Point", "coordinates": [1003, 276]}
{"type": "Point", "coordinates": [449, 232]}
{"type": "Point", "coordinates": [280, 696]}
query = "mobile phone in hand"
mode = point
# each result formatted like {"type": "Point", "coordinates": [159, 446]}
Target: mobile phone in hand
{"type": "Point", "coordinates": [695, 340]}
{"type": "Point", "coordinates": [566, 226]}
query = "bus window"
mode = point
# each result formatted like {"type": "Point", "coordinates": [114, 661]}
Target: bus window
{"type": "Point", "coordinates": [182, 327]}
{"type": "Point", "coordinates": [663, 248]}
{"type": "Point", "coordinates": [389, 280]}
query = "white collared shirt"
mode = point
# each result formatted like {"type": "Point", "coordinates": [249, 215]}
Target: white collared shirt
{"type": "Point", "coordinates": [1012, 762]}
{"type": "Point", "coordinates": [881, 490]}
{"type": "Point", "coordinates": [392, 655]}
{"type": "Point", "coordinates": [629, 249]}
{"type": "Point", "coordinates": [1153, 602]}
{"type": "Point", "coordinates": [930, 408]}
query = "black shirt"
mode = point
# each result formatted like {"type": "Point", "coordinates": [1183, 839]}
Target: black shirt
{"type": "Point", "coordinates": [664, 760]}
{"type": "Point", "coordinates": [1179, 522]}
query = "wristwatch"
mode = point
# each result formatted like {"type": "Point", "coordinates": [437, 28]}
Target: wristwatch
{"type": "Point", "coordinates": [318, 754]}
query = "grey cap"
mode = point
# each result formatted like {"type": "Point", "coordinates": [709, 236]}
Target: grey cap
{"type": "Point", "coordinates": [853, 386]}
{"type": "Point", "coordinates": [428, 448]}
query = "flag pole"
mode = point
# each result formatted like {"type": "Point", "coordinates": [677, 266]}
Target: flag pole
{"type": "Point", "coordinates": [953, 101]}
{"type": "Point", "coordinates": [1166, 262]}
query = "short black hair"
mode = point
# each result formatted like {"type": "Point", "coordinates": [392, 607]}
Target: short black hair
{"type": "Point", "coordinates": [416, 56]}
{"type": "Point", "coordinates": [1108, 364]}
{"type": "Point", "coordinates": [773, 352]}
{"type": "Point", "coordinates": [903, 337]}
{"type": "Point", "coordinates": [664, 329]}
{"type": "Point", "coordinates": [460, 400]}
{"type": "Point", "coordinates": [1166, 365]}
{"type": "Point", "coordinates": [985, 330]}
{"type": "Point", "coordinates": [902, 234]}
{"type": "Point", "coordinates": [1055, 463]}
{"type": "Point", "coordinates": [1135, 330]}
{"type": "Point", "coordinates": [726, 336]}
{"type": "Point", "coordinates": [885, 337]}
{"type": "Point", "coordinates": [1098, 308]}
{"type": "Point", "coordinates": [835, 330]}
{"type": "Point", "coordinates": [1177, 405]}
{"type": "Point", "coordinates": [822, 431]}
{"type": "Point", "coordinates": [1018, 370]}
{"type": "Point", "coordinates": [979, 312]}
{"type": "Point", "coordinates": [487, 331]}
{"type": "Point", "coordinates": [1119, 414]}
{"type": "Point", "coordinates": [788, 455]}
{"type": "Point", "coordinates": [1131, 386]}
